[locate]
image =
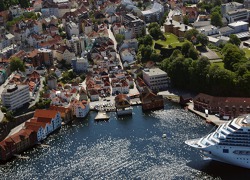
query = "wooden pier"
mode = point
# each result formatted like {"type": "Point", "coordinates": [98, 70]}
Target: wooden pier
{"type": "Point", "coordinates": [21, 157]}
{"type": "Point", "coordinates": [102, 115]}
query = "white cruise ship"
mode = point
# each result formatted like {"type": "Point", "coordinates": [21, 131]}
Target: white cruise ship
{"type": "Point", "coordinates": [230, 143]}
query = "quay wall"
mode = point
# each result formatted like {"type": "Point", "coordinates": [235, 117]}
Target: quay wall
{"type": "Point", "coordinates": [210, 119]}
{"type": "Point", "coordinates": [5, 128]}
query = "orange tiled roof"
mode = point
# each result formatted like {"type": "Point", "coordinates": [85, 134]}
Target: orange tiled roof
{"type": "Point", "coordinates": [43, 113]}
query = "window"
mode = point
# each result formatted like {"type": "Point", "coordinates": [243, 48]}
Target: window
{"type": "Point", "coordinates": [225, 151]}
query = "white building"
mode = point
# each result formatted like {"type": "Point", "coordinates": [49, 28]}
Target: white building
{"type": "Point", "coordinates": [15, 96]}
{"type": "Point", "coordinates": [155, 78]}
{"type": "Point", "coordinates": [49, 116]}
{"type": "Point", "coordinates": [239, 26]}
{"type": "Point", "coordinates": [208, 30]}
{"type": "Point", "coordinates": [77, 44]}
{"type": "Point", "coordinates": [64, 53]}
{"type": "Point", "coordinates": [128, 54]}
{"type": "Point", "coordinates": [153, 14]}
{"type": "Point", "coordinates": [6, 40]}
{"type": "Point", "coordinates": [16, 11]}
{"type": "Point", "coordinates": [237, 15]}
{"type": "Point", "coordinates": [72, 29]}
{"type": "Point", "coordinates": [80, 108]}
{"type": "Point", "coordinates": [232, 6]}
{"type": "Point", "coordinates": [39, 128]}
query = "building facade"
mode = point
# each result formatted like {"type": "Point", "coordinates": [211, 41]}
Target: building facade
{"type": "Point", "coordinates": [230, 107]}
{"type": "Point", "coordinates": [15, 96]}
{"type": "Point", "coordinates": [156, 79]}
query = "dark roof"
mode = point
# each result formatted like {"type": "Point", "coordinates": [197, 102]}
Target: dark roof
{"type": "Point", "coordinates": [225, 29]}
{"type": "Point", "coordinates": [198, 24]}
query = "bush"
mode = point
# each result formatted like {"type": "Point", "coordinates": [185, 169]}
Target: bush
{"type": "Point", "coordinates": [3, 109]}
{"type": "Point", "coordinates": [9, 115]}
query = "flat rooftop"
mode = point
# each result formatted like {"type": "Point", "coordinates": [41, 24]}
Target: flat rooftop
{"type": "Point", "coordinates": [238, 23]}
{"type": "Point", "coordinates": [154, 72]}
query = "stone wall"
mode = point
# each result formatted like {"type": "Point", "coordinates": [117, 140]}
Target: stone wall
{"type": "Point", "coordinates": [5, 128]}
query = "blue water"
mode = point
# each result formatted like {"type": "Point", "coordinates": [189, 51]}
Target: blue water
{"type": "Point", "coordinates": [124, 148]}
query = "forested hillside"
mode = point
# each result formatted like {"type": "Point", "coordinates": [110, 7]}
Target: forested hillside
{"type": "Point", "coordinates": [5, 4]}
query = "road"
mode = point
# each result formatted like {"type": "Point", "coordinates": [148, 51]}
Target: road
{"type": "Point", "coordinates": [111, 36]}
{"type": "Point", "coordinates": [37, 95]}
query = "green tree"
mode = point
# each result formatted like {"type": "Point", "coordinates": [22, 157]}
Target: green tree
{"type": "Point", "coordinates": [176, 53]}
{"type": "Point", "coordinates": [16, 64]}
{"type": "Point", "coordinates": [243, 84]}
{"type": "Point", "coordinates": [178, 71]}
{"type": "Point", "coordinates": [163, 19]}
{"type": "Point", "coordinates": [145, 52]}
{"type": "Point", "coordinates": [165, 64]}
{"type": "Point", "coordinates": [2, 5]}
{"type": "Point", "coordinates": [44, 28]}
{"type": "Point", "coordinates": [234, 40]}
{"type": "Point", "coordinates": [155, 57]}
{"type": "Point", "coordinates": [199, 74]}
{"type": "Point", "coordinates": [216, 9]}
{"type": "Point", "coordinates": [216, 19]}
{"type": "Point", "coordinates": [29, 15]}
{"type": "Point", "coordinates": [221, 81]}
{"type": "Point", "coordinates": [119, 38]}
{"type": "Point", "coordinates": [185, 20]}
{"type": "Point", "coordinates": [153, 25]}
{"type": "Point", "coordinates": [203, 39]}
{"type": "Point", "coordinates": [139, 5]}
{"type": "Point", "coordinates": [24, 3]}
{"type": "Point", "coordinates": [4, 109]}
{"type": "Point", "coordinates": [156, 33]}
{"type": "Point", "coordinates": [193, 53]}
{"type": "Point", "coordinates": [233, 56]}
{"type": "Point", "coordinates": [217, 3]}
{"type": "Point", "coordinates": [185, 48]}
{"type": "Point", "coordinates": [191, 33]}
{"type": "Point", "coordinates": [146, 40]}
{"type": "Point", "coordinates": [9, 115]}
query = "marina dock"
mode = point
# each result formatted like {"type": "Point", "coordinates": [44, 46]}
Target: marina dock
{"type": "Point", "coordinates": [21, 157]}
{"type": "Point", "coordinates": [102, 115]}
{"type": "Point", "coordinates": [210, 119]}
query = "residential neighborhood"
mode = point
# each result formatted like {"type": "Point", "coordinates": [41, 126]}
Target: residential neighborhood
{"type": "Point", "coordinates": [59, 59]}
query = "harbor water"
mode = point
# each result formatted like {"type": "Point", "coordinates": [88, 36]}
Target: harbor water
{"type": "Point", "coordinates": [128, 147]}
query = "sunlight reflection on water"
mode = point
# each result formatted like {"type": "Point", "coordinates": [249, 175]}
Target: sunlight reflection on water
{"type": "Point", "coordinates": [123, 148]}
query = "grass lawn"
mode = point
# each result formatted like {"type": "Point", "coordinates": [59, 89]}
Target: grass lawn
{"type": "Point", "coordinates": [219, 54]}
{"type": "Point", "coordinates": [247, 51]}
{"type": "Point", "coordinates": [171, 40]}
{"type": "Point", "coordinates": [220, 64]}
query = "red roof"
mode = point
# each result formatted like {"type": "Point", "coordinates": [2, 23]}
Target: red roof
{"type": "Point", "coordinates": [43, 113]}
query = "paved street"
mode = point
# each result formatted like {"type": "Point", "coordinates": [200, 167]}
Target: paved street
{"type": "Point", "coordinates": [111, 36]}
{"type": "Point", "coordinates": [37, 95]}
{"type": "Point", "coordinates": [211, 55]}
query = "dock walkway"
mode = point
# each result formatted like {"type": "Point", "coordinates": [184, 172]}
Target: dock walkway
{"type": "Point", "coordinates": [211, 118]}
{"type": "Point", "coordinates": [102, 115]}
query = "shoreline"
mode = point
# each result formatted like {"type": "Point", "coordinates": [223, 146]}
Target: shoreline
{"type": "Point", "coordinates": [210, 119]}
